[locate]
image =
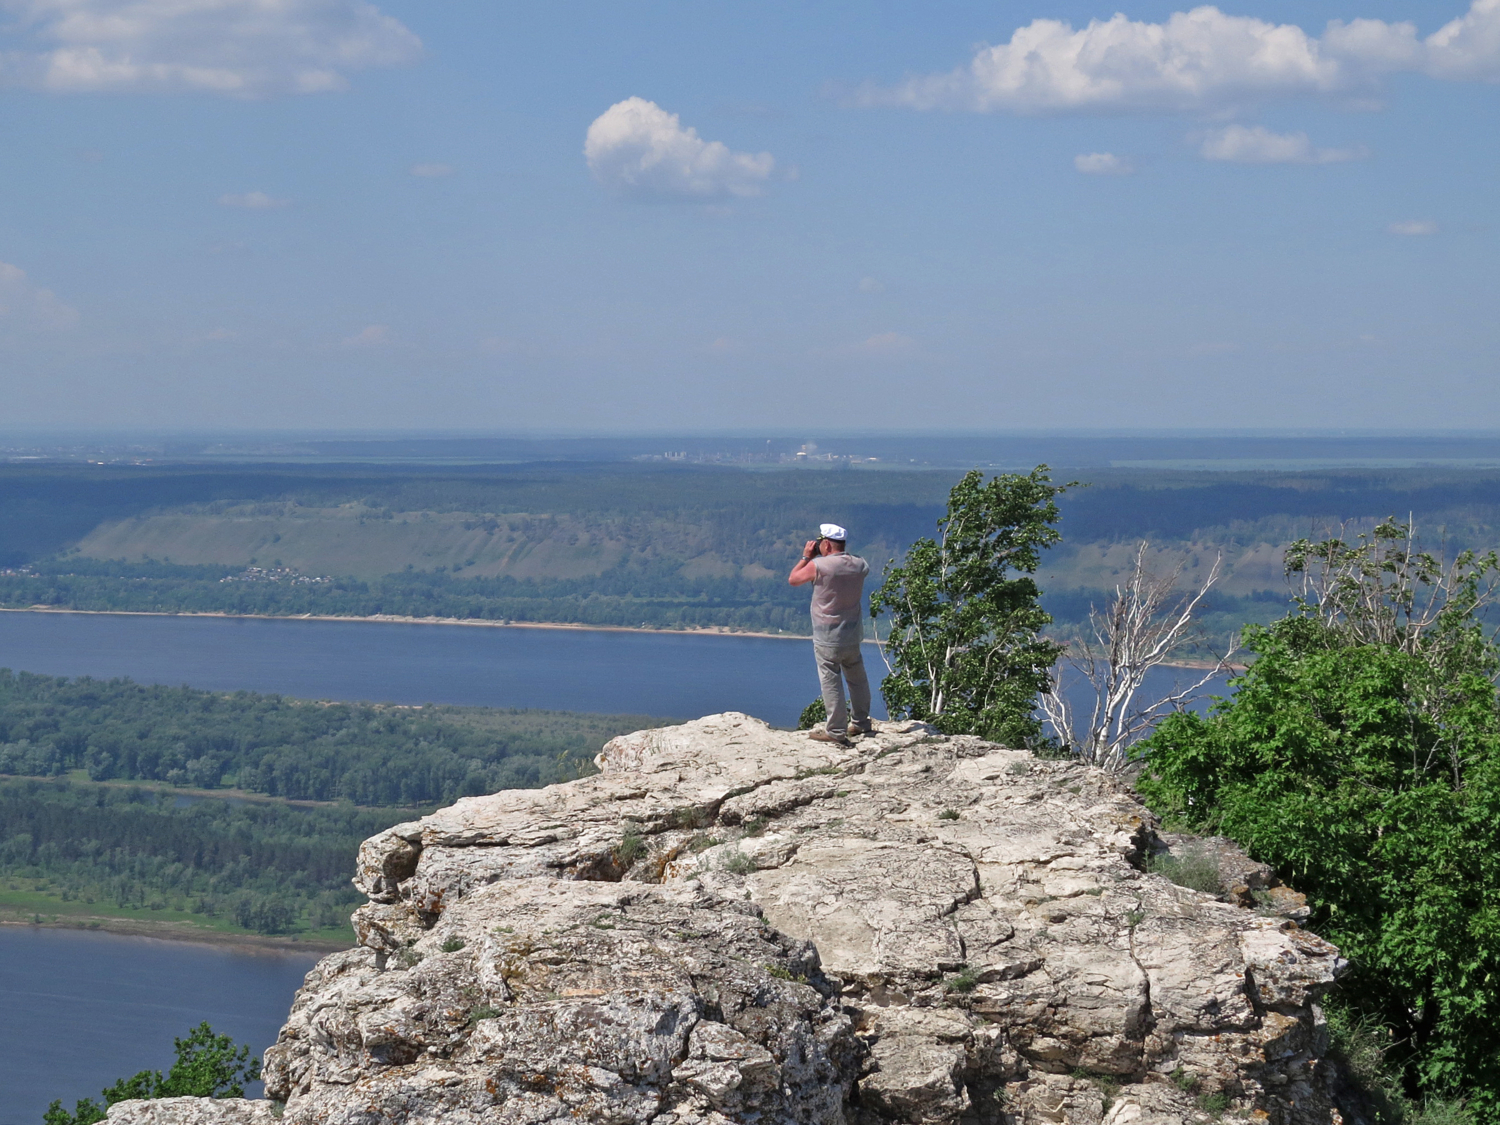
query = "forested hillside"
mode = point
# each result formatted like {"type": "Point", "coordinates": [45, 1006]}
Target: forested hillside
{"type": "Point", "coordinates": [370, 754]}
{"type": "Point", "coordinates": [72, 849]}
{"type": "Point", "coordinates": [633, 544]}
{"type": "Point", "coordinates": [108, 805]}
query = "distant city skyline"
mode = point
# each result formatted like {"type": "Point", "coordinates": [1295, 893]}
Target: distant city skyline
{"type": "Point", "coordinates": [333, 215]}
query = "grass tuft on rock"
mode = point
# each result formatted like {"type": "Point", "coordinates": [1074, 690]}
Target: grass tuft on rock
{"type": "Point", "coordinates": [1195, 869]}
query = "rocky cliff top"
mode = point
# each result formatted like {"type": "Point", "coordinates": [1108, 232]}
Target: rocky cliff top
{"type": "Point", "coordinates": [731, 923]}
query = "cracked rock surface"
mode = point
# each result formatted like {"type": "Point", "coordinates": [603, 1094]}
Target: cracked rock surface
{"type": "Point", "coordinates": [731, 923]}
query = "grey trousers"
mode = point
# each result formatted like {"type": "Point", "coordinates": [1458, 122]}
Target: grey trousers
{"type": "Point", "coordinates": [837, 664]}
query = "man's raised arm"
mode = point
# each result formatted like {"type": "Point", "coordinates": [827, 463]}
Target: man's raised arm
{"type": "Point", "coordinates": [806, 570]}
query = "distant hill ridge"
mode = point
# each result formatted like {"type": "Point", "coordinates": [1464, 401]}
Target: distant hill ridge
{"type": "Point", "coordinates": [632, 544]}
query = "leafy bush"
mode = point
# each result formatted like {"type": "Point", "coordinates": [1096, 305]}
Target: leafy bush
{"type": "Point", "coordinates": [1359, 1044]}
{"type": "Point", "coordinates": [207, 1066]}
{"type": "Point", "coordinates": [1360, 756]}
{"type": "Point", "coordinates": [814, 713]}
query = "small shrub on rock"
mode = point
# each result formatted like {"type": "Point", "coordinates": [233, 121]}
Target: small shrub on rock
{"type": "Point", "coordinates": [207, 1066]}
{"type": "Point", "coordinates": [966, 980]}
{"type": "Point", "coordinates": [631, 848]}
{"type": "Point", "coordinates": [814, 713]}
{"type": "Point", "coordinates": [1194, 868]}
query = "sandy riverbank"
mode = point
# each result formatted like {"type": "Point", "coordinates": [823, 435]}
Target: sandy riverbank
{"type": "Point", "coordinates": [177, 931]}
{"type": "Point", "coordinates": [398, 619]}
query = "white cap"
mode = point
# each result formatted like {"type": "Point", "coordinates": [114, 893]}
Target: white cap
{"type": "Point", "coordinates": [833, 531]}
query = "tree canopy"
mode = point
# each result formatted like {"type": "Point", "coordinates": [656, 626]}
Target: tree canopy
{"type": "Point", "coordinates": [965, 641]}
{"type": "Point", "coordinates": [207, 1066]}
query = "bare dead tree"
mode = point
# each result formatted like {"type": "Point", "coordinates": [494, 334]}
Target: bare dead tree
{"type": "Point", "coordinates": [1378, 588]}
{"type": "Point", "coordinates": [1145, 624]}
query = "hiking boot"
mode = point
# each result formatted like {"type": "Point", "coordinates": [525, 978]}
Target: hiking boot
{"type": "Point", "coordinates": [862, 726]}
{"type": "Point", "coordinates": [829, 736]}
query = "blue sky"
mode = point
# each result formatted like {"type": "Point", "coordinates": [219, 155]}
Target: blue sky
{"type": "Point", "coordinates": [328, 214]}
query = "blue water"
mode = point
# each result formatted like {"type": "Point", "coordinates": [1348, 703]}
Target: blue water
{"type": "Point", "coordinates": [678, 675]}
{"type": "Point", "coordinates": [79, 1010]}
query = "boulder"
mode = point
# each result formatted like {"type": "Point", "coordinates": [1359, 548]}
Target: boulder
{"type": "Point", "coordinates": [732, 923]}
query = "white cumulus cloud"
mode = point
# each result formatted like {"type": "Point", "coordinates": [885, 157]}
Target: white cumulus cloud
{"type": "Point", "coordinates": [1102, 164]}
{"type": "Point", "coordinates": [253, 201]}
{"type": "Point", "coordinates": [1196, 60]}
{"type": "Point", "coordinates": [1412, 228]}
{"type": "Point", "coordinates": [1241, 144]}
{"type": "Point", "coordinates": [25, 304]}
{"type": "Point", "coordinates": [637, 148]}
{"type": "Point", "coordinates": [1468, 47]}
{"type": "Point", "coordinates": [241, 48]}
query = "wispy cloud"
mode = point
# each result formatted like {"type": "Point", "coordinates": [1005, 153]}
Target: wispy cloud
{"type": "Point", "coordinates": [1102, 164]}
{"type": "Point", "coordinates": [871, 285]}
{"type": "Point", "coordinates": [885, 344]}
{"type": "Point", "coordinates": [432, 171]}
{"type": "Point", "coordinates": [253, 201]}
{"type": "Point", "coordinates": [1413, 228]}
{"type": "Point", "coordinates": [1194, 61]}
{"type": "Point", "coordinates": [1241, 144]}
{"type": "Point", "coordinates": [240, 48]}
{"type": "Point", "coordinates": [638, 149]}
{"type": "Point", "coordinates": [370, 336]}
{"type": "Point", "coordinates": [25, 304]}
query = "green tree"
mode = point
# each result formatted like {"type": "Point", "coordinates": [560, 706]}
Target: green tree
{"type": "Point", "coordinates": [207, 1066]}
{"type": "Point", "coordinates": [965, 644]}
{"type": "Point", "coordinates": [1360, 755]}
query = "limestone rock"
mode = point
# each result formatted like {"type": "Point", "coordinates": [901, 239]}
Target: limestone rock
{"type": "Point", "coordinates": [600, 1001]}
{"type": "Point", "coordinates": [731, 923]}
{"type": "Point", "coordinates": [207, 1111]}
{"type": "Point", "coordinates": [1240, 878]}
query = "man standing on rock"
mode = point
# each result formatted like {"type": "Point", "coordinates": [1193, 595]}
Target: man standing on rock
{"type": "Point", "coordinates": [838, 613]}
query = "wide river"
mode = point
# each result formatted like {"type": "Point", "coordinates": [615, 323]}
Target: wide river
{"type": "Point", "coordinates": [78, 1010]}
{"type": "Point", "coordinates": [83, 1009]}
{"type": "Point", "coordinates": [680, 675]}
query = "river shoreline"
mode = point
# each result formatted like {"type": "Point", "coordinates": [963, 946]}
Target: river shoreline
{"type": "Point", "coordinates": [399, 619]}
{"type": "Point", "coordinates": [173, 931]}
{"type": "Point", "coordinates": [570, 626]}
